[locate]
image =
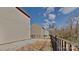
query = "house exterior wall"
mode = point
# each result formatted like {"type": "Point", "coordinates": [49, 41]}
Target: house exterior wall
{"type": "Point", "coordinates": [14, 25]}
{"type": "Point", "coordinates": [38, 32]}
{"type": "Point", "coordinates": [45, 34]}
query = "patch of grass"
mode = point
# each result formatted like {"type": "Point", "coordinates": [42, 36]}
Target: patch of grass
{"type": "Point", "coordinates": [38, 45]}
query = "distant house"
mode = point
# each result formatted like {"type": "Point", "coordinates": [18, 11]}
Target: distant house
{"type": "Point", "coordinates": [38, 32]}
{"type": "Point", "coordinates": [46, 34]}
{"type": "Point", "coordinates": [14, 25]}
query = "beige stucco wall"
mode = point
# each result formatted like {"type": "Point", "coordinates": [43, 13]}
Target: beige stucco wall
{"type": "Point", "coordinates": [14, 25]}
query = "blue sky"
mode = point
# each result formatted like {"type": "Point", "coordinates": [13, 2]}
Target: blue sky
{"type": "Point", "coordinates": [36, 14]}
{"type": "Point", "coordinates": [62, 14]}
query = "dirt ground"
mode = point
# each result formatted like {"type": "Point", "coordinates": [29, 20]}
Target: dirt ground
{"type": "Point", "coordinates": [37, 45]}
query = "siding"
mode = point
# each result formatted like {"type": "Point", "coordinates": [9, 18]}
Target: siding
{"type": "Point", "coordinates": [14, 25]}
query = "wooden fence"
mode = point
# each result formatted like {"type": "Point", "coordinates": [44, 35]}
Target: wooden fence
{"type": "Point", "coordinates": [59, 44]}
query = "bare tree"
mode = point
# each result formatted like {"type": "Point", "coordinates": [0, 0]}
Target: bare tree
{"type": "Point", "coordinates": [74, 22]}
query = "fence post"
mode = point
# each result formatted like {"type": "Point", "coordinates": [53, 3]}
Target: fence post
{"type": "Point", "coordinates": [58, 42]}
{"type": "Point", "coordinates": [67, 46]}
{"type": "Point", "coordinates": [61, 45]}
{"type": "Point", "coordinates": [64, 46]}
{"type": "Point", "coordinates": [70, 47]}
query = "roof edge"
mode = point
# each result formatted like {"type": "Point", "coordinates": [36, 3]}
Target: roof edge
{"type": "Point", "coordinates": [22, 11]}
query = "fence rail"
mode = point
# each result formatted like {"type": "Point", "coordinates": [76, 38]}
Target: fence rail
{"type": "Point", "coordinates": [59, 44]}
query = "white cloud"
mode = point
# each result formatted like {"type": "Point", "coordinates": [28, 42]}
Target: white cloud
{"type": "Point", "coordinates": [44, 14]}
{"type": "Point", "coordinates": [66, 10]}
{"type": "Point", "coordinates": [53, 22]}
{"type": "Point", "coordinates": [45, 25]}
{"type": "Point", "coordinates": [46, 21]}
{"type": "Point", "coordinates": [50, 9]}
{"type": "Point", "coordinates": [51, 16]}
